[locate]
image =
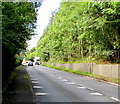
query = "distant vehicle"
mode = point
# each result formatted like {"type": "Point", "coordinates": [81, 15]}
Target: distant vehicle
{"type": "Point", "coordinates": [30, 63]}
{"type": "Point", "coordinates": [37, 61]}
{"type": "Point", "coordinates": [26, 61]}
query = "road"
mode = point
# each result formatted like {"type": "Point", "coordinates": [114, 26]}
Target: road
{"type": "Point", "coordinates": [51, 85]}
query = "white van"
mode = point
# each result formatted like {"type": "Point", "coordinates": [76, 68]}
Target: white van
{"type": "Point", "coordinates": [37, 61]}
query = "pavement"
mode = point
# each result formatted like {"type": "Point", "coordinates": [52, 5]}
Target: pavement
{"type": "Point", "coordinates": [43, 85]}
{"type": "Point", "coordinates": [22, 91]}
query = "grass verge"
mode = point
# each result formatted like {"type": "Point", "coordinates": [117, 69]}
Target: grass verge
{"type": "Point", "coordinates": [18, 67]}
{"type": "Point", "coordinates": [98, 77]}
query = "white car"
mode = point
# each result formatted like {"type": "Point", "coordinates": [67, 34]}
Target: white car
{"type": "Point", "coordinates": [37, 61]}
{"type": "Point", "coordinates": [30, 63]}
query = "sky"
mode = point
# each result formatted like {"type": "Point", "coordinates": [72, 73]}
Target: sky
{"type": "Point", "coordinates": [43, 17]}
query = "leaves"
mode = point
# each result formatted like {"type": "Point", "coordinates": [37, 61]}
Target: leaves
{"type": "Point", "coordinates": [82, 29]}
{"type": "Point", "coordinates": [17, 26]}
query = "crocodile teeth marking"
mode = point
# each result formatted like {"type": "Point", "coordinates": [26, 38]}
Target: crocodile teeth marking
{"type": "Point", "coordinates": [31, 76]}
{"type": "Point", "coordinates": [115, 99]}
{"type": "Point", "coordinates": [35, 82]}
{"type": "Point", "coordinates": [39, 93]}
{"type": "Point", "coordinates": [37, 87]}
{"type": "Point", "coordinates": [96, 93]}
{"type": "Point", "coordinates": [33, 79]}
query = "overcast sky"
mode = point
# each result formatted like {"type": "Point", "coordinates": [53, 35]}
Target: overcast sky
{"type": "Point", "coordinates": [43, 18]}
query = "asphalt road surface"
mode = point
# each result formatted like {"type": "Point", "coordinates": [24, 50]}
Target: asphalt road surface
{"type": "Point", "coordinates": [51, 85]}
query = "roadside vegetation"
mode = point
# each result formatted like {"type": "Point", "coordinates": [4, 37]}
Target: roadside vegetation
{"type": "Point", "coordinates": [17, 76]}
{"type": "Point", "coordinates": [18, 23]}
{"type": "Point", "coordinates": [97, 77]}
{"type": "Point", "coordinates": [81, 32]}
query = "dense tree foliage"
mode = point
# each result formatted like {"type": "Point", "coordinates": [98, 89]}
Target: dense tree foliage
{"type": "Point", "coordinates": [17, 26]}
{"type": "Point", "coordinates": [82, 29]}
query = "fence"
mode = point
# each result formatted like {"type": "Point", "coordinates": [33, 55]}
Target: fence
{"type": "Point", "coordinates": [107, 70]}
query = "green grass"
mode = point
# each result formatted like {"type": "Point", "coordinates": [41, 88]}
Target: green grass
{"type": "Point", "coordinates": [18, 67]}
{"type": "Point", "coordinates": [98, 77]}
{"type": "Point", "coordinates": [24, 77]}
{"type": "Point", "coordinates": [25, 83]}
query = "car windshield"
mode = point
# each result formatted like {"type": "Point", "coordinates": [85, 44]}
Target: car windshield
{"type": "Point", "coordinates": [30, 61]}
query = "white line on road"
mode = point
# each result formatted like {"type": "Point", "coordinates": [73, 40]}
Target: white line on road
{"type": "Point", "coordinates": [34, 81]}
{"type": "Point", "coordinates": [37, 87]}
{"type": "Point", "coordinates": [32, 77]}
{"type": "Point", "coordinates": [71, 83]}
{"type": "Point", "coordinates": [96, 93]}
{"type": "Point", "coordinates": [64, 80]}
{"type": "Point", "coordinates": [39, 93]}
{"type": "Point", "coordinates": [115, 99]}
{"type": "Point", "coordinates": [59, 77]}
{"type": "Point", "coordinates": [81, 87]}
{"type": "Point", "coordinates": [79, 84]}
{"type": "Point", "coordinates": [90, 89]}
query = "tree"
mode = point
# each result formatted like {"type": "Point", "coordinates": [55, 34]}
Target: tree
{"type": "Point", "coordinates": [18, 20]}
{"type": "Point", "coordinates": [82, 30]}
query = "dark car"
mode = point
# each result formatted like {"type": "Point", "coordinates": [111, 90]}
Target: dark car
{"type": "Point", "coordinates": [30, 63]}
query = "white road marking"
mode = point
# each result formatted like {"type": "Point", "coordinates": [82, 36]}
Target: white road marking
{"type": "Point", "coordinates": [59, 77]}
{"type": "Point", "coordinates": [81, 87]}
{"type": "Point", "coordinates": [32, 77]}
{"type": "Point", "coordinates": [96, 93]}
{"type": "Point", "coordinates": [79, 84]}
{"type": "Point", "coordinates": [64, 80]}
{"type": "Point", "coordinates": [90, 89]}
{"type": "Point", "coordinates": [71, 83]}
{"type": "Point", "coordinates": [115, 99]}
{"type": "Point", "coordinates": [37, 87]}
{"type": "Point", "coordinates": [39, 93]}
{"type": "Point", "coordinates": [34, 81]}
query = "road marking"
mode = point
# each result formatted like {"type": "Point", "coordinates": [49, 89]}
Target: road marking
{"type": "Point", "coordinates": [90, 89]}
{"type": "Point", "coordinates": [37, 87]}
{"type": "Point", "coordinates": [34, 81]}
{"type": "Point", "coordinates": [59, 77]}
{"type": "Point", "coordinates": [96, 93]}
{"type": "Point", "coordinates": [70, 83]}
{"type": "Point", "coordinates": [40, 94]}
{"type": "Point", "coordinates": [79, 84]}
{"type": "Point", "coordinates": [115, 99]}
{"type": "Point", "coordinates": [64, 80]}
{"type": "Point", "coordinates": [32, 77]}
{"type": "Point", "coordinates": [81, 87]}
